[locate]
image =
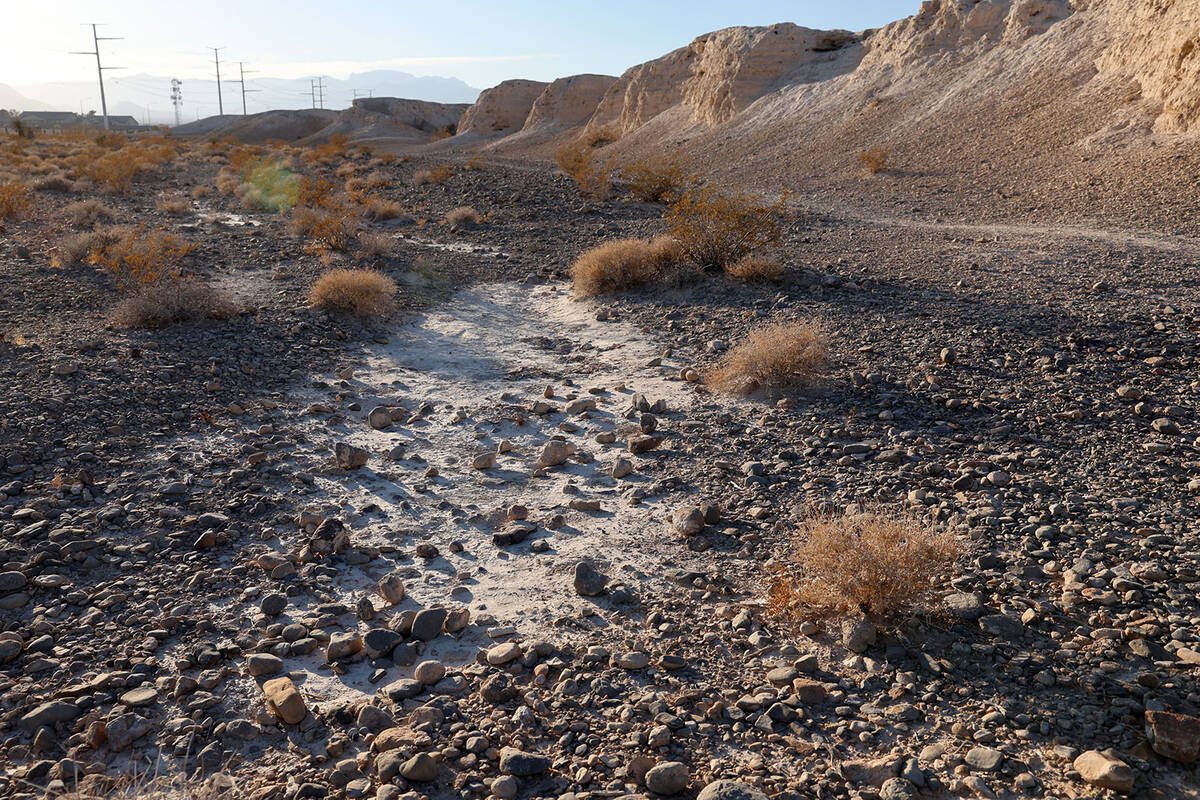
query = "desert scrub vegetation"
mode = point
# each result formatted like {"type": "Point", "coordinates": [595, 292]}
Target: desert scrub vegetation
{"type": "Point", "coordinates": [780, 356]}
{"type": "Point", "coordinates": [374, 246]}
{"type": "Point", "coordinates": [378, 209]}
{"type": "Point", "coordinates": [463, 217]}
{"type": "Point", "coordinates": [14, 200]}
{"type": "Point", "coordinates": [268, 184]}
{"type": "Point", "coordinates": [880, 565]}
{"type": "Point", "coordinates": [655, 180]}
{"type": "Point", "coordinates": [89, 213]}
{"type": "Point", "coordinates": [363, 292]}
{"type": "Point", "coordinates": [625, 264]}
{"type": "Point", "coordinates": [716, 229]}
{"type": "Point", "coordinates": [173, 205]}
{"type": "Point", "coordinates": [755, 268]}
{"type": "Point", "coordinates": [78, 248]}
{"type": "Point", "coordinates": [171, 302]}
{"type": "Point", "coordinates": [324, 216]}
{"type": "Point", "coordinates": [139, 257]}
{"type": "Point", "coordinates": [54, 183]}
{"type": "Point", "coordinates": [577, 161]}
{"type": "Point", "coordinates": [875, 160]}
{"type": "Point", "coordinates": [438, 174]}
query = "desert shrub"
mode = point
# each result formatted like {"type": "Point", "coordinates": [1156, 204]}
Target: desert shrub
{"type": "Point", "coordinates": [228, 180]}
{"type": "Point", "coordinates": [421, 177]}
{"type": "Point", "coordinates": [379, 209]}
{"type": "Point", "coordinates": [625, 264]}
{"type": "Point", "coordinates": [268, 184]}
{"type": "Point", "coordinates": [21, 130]}
{"type": "Point", "coordinates": [755, 268]}
{"type": "Point", "coordinates": [374, 245]}
{"type": "Point", "coordinates": [172, 302]}
{"type": "Point", "coordinates": [173, 205]}
{"type": "Point", "coordinates": [599, 136]}
{"type": "Point", "coordinates": [716, 229]}
{"type": "Point", "coordinates": [655, 180]}
{"type": "Point", "coordinates": [14, 200]}
{"type": "Point", "coordinates": [875, 160]}
{"type": "Point", "coordinates": [475, 162]}
{"type": "Point", "coordinates": [776, 357]}
{"type": "Point", "coordinates": [463, 217]}
{"type": "Point", "coordinates": [141, 257]}
{"type": "Point", "coordinates": [88, 213]}
{"type": "Point", "coordinates": [54, 183]}
{"type": "Point", "coordinates": [330, 227]}
{"type": "Point", "coordinates": [355, 291]}
{"type": "Point", "coordinates": [78, 248]}
{"type": "Point", "coordinates": [440, 173]}
{"type": "Point", "coordinates": [444, 132]}
{"type": "Point", "coordinates": [201, 191]}
{"type": "Point", "coordinates": [316, 193]}
{"type": "Point", "coordinates": [871, 563]}
{"type": "Point", "coordinates": [575, 159]}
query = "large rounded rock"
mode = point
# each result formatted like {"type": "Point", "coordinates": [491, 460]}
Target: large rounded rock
{"type": "Point", "coordinates": [730, 790]}
{"type": "Point", "coordinates": [521, 764]}
{"type": "Point", "coordinates": [670, 777]}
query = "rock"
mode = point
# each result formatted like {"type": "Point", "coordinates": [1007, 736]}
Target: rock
{"type": "Point", "coordinates": [521, 764]}
{"type": "Point", "coordinates": [688, 521]}
{"type": "Point", "coordinates": [379, 418]}
{"type": "Point", "coordinates": [10, 647]}
{"type": "Point", "coordinates": [374, 719]}
{"type": "Point", "coordinates": [258, 664]}
{"type": "Point", "coordinates": [429, 672]}
{"type": "Point", "coordinates": [871, 773]}
{"type": "Point", "coordinates": [141, 696]}
{"type": "Point", "coordinates": [484, 461]}
{"type": "Point", "coordinates": [589, 581]}
{"type": "Point", "coordinates": [348, 456]}
{"type": "Point", "coordinates": [272, 605]}
{"type": "Point", "coordinates": [636, 659]}
{"type": "Point", "coordinates": [644, 444]}
{"type": "Point", "coordinates": [1175, 736]}
{"type": "Point", "coordinates": [1002, 626]}
{"type": "Point", "coordinates": [622, 467]}
{"type": "Point", "coordinates": [49, 714]}
{"type": "Point", "coordinates": [555, 452]}
{"type": "Point", "coordinates": [576, 407]}
{"type": "Point", "coordinates": [515, 533]}
{"type": "Point", "coordinates": [730, 790]}
{"type": "Point", "coordinates": [343, 646]}
{"type": "Point", "coordinates": [965, 605]}
{"type": "Point", "coordinates": [897, 789]}
{"type": "Point", "coordinates": [809, 691]}
{"type": "Point", "coordinates": [1165, 426]}
{"type": "Point", "coordinates": [420, 768]}
{"type": "Point", "coordinates": [456, 620]}
{"type": "Point", "coordinates": [668, 778]}
{"type": "Point", "coordinates": [122, 731]}
{"type": "Point", "coordinates": [498, 689]}
{"type": "Point", "coordinates": [503, 653]}
{"type": "Point", "coordinates": [1104, 771]}
{"type": "Point", "coordinates": [11, 581]}
{"type": "Point", "coordinates": [984, 758]}
{"type": "Point", "coordinates": [427, 624]}
{"type": "Point", "coordinates": [505, 787]}
{"type": "Point", "coordinates": [380, 642]}
{"type": "Point", "coordinates": [284, 700]}
{"type": "Point", "coordinates": [857, 634]}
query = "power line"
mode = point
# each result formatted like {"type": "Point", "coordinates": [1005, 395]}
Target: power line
{"type": "Point", "coordinates": [317, 86]}
{"type": "Point", "coordinates": [242, 81]}
{"type": "Point", "coordinates": [96, 40]}
{"type": "Point", "coordinates": [217, 61]}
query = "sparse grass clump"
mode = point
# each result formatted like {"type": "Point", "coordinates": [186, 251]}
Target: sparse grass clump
{"type": "Point", "coordinates": [463, 217]}
{"type": "Point", "coordinates": [172, 302]}
{"type": "Point", "coordinates": [875, 160]}
{"type": "Point", "coordinates": [755, 268]}
{"type": "Point", "coordinates": [655, 180]}
{"type": "Point", "coordinates": [140, 257]}
{"type": "Point", "coordinates": [355, 291]}
{"type": "Point", "coordinates": [437, 174]}
{"type": "Point", "coordinates": [776, 357]}
{"type": "Point", "coordinates": [625, 264]}
{"type": "Point", "coordinates": [378, 209]}
{"type": "Point", "coordinates": [883, 566]}
{"type": "Point", "coordinates": [717, 229]}
{"type": "Point", "coordinates": [575, 158]}
{"type": "Point", "coordinates": [78, 248]}
{"type": "Point", "coordinates": [89, 213]}
{"type": "Point", "coordinates": [329, 228]}
{"type": "Point", "coordinates": [14, 200]}
{"type": "Point", "coordinates": [54, 183]}
{"type": "Point", "coordinates": [173, 205]}
{"type": "Point", "coordinates": [374, 245]}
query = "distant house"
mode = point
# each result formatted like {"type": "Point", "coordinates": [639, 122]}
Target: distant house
{"type": "Point", "coordinates": [50, 120]}
{"type": "Point", "coordinates": [121, 123]}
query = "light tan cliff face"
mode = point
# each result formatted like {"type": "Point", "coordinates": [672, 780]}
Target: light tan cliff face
{"type": "Point", "coordinates": [568, 101]}
{"type": "Point", "coordinates": [644, 92]}
{"type": "Point", "coordinates": [502, 109]}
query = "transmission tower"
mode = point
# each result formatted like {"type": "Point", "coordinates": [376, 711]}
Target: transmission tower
{"type": "Point", "coordinates": [217, 61]}
{"type": "Point", "coordinates": [95, 51]}
{"type": "Point", "coordinates": [242, 81]}
{"type": "Point", "coordinates": [177, 98]}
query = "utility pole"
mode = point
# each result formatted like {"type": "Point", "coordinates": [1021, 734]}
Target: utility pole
{"type": "Point", "coordinates": [217, 61]}
{"type": "Point", "coordinates": [318, 87]}
{"type": "Point", "coordinates": [312, 90]}
{"type": "Point", "coordinates": [96, 40]}
{"type": "Point", "coordinates": [177, 97]}
{"type": "Point", "coordinates": [242, 81]}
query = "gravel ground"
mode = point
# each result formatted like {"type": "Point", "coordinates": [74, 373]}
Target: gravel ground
{"type": "Point", "coordinates": [189, 571]}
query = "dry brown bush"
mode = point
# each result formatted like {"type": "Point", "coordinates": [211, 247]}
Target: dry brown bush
{"type": "Point", "coordinates": [78, 248]}
{"type": "Point", "coordinates": [655, 180]}
{"type": "Point", "coordinates": [379, 209]}
{"type": "Point", "coordinates": [790, 354]}
{"type": "Point", "coordinates": [575, 159]}
{"type": "Point", "coordinates": [141, 257]}
{"type": "Point", "coordinates": [331, 228]}
{"type": "Point", "coordinates": [14, 200]}
{"type": "Point", "coordinates": [421, 177]}
{"type": "Point", "coordinates": [600, 136]}
{"type": "Point", "coordinates": [463, 217]}
{"type": "Point", "coordinates": [717, 229]}
{"type": "Point", "coordinates": [201, 191]}
{"type": "Point", "coordinates": [881, 565]}
{"type": "Point", "coordinates": [625, 264]}
{"type": "Point", "coordinates": [54, 183]}
{"type": "Point", "coordinates": [755, 268]}
{"type": "Point", "coordinates": [875, 160]}
{"type": "Point", "coordinates": [475, 162]}
{"type": "Point", "coordinates": [173, 206]}
{"type": "Point", "coordinates": [355, 291]}
{"type": "Point", "coordinates": [171, 302]}
{"type": "Point", "coordinates": [374, 245]}
{"type": "Point", "coordinates": [88, 213]}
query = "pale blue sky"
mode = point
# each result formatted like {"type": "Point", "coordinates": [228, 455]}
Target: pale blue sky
{"type": "Point", "coordinates": [480, 42]}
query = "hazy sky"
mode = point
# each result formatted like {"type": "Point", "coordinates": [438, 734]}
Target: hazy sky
{"type": "Point", "coordinates": [478, 41]}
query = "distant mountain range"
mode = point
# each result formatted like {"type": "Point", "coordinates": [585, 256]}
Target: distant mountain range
{"type": "Point", "coordinates": [148, 97]}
